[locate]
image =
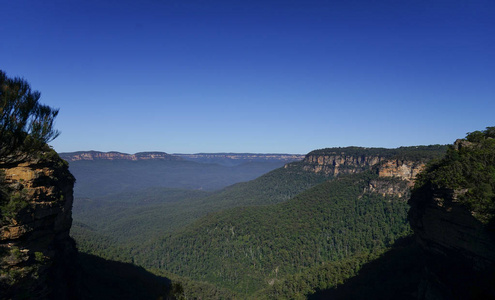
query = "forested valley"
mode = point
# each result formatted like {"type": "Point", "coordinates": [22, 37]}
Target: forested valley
{"type": "Point", "coordinates": [294, 232]}
{"type": "Point", "coordinates": [247, 150]}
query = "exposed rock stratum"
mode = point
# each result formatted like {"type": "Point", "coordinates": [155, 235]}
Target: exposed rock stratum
{"type": "Point", "coordinates": [37, 254]}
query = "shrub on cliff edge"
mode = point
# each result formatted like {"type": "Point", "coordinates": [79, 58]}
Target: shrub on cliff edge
{"type": "Point", "coordinates": [25, 124]}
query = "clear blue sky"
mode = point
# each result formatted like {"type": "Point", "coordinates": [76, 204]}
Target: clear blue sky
{"type": "Point", "coordinates": [184, 76]}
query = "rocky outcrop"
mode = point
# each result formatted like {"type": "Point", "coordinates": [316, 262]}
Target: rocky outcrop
{"type": "Point", "coordinates": [404, 169]}
{"type": "Point", "coordinates": [385, 166]}
{"type": "Point", "coordinates": [96, 155]}
{"type": "Point", "coordinates": [337, 164]}
{"type": "Point", "coordinates": [402, 162]}
{"type": "Point", "coordinates": [396, 176]}
{"type": "Point", "coordinates": [389, 187]}
{"type": "Point", "coordinates": [36, 250]}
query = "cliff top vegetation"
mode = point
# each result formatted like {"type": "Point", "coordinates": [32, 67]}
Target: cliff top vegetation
{"type": "Point", "coordinates": [25, 124]}
{"type": "Point", "coordinates": [422, 153]}
{"type": "Point", "coordinates": [468, 168]}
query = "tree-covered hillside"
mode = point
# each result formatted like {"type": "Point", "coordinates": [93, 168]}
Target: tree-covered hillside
{"type": "Point", "coordinates": [133, 217]}
{"type": "Point", "coordinates": [99, 178]}
{"type": "Point", "coordinates": [413, 153]}
{"type": "Point", "coordinates": [469, 168]}
{"type": "Point", "coordinates": [246, 249]}
{"type": "Point", "coordinates": [258, 239]}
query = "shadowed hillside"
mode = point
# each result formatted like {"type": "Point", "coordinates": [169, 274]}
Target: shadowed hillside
{"type": "Point", "coordinates": [396, 274]}
{"type": "Point", "coordinates": [106, 279]}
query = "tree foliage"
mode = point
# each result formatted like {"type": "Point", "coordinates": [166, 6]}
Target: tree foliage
{"type": "Point", "coordinates": [243, 249]}
{"type": "Point", "coordinates": [25, 124]}
{"type": "Point", "coordinates": [260, 238]}
{"type": "Point", "coordinates": [469, 168]}
{"type": "Point", "coordinates": [415, 153]}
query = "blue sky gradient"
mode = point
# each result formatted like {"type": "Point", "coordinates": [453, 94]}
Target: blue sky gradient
{"type": "Point", "coordinates": [255, 76]}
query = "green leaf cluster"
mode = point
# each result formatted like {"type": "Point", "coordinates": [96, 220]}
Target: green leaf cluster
{"type": "Point", "coordinates": [11, 204]}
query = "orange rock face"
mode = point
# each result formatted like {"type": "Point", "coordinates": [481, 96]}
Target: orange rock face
{"type": "Point", "coordinates": [340, 164]}
{"type": "Point", "coordinates": [35, 222]}
{"type": "Point", "coordinates": [406, 170]}
{"type": "Point", "coordinates": [334, 165]}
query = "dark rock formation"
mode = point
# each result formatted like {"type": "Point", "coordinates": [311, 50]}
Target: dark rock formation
{"type": "Point", "coordinates": [37, 254]}
{"type": "Point", "coordinates": [458, 248]}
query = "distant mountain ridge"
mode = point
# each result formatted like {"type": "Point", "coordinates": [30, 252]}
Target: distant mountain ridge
{"type": "Point", "coordinates": [104, 173]}
{"type": "Point", "coordinates": [227, 159]}
{"type": "Point", "coordinates": [231, 159]}
{"type": "Point", "coordinates": [308, 217]}
{"type": "Point", "coordinates": [114, 155]}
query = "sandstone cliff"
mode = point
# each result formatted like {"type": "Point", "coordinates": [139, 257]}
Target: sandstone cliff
{"type": "Point", "coordinates": [396, 177]}
{"type": "Point", "coordinates": [403, 162]}
{"type": "Point", "coordinates": [342, 163]}
{"type": "Point", "coordinates": [36, 250]}
{"type": "Point", "coordinates": [396, 168]}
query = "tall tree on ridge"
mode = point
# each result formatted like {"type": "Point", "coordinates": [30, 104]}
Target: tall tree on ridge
{"type": "Point", "coordinates": [25, 124]}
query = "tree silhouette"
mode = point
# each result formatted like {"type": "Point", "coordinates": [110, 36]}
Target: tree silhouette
{"type": "Point", "coordinates": [25, 124]}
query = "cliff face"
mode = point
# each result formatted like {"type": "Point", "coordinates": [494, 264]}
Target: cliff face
{"type": "Point", "coordinates": [443, 225]}
{"type": "Point", "coordinates": [404, 169]}
{"type": "Point", "coordinates": [36, 250]}
{"type": "Point", "coordinates": [459, 249]}
{"type": "Point", "coordinates": [396, 176]}
{"type": "Point", "coordinates": [95, 155]}
{"type": "Point", "coordinates": [337, 164]}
